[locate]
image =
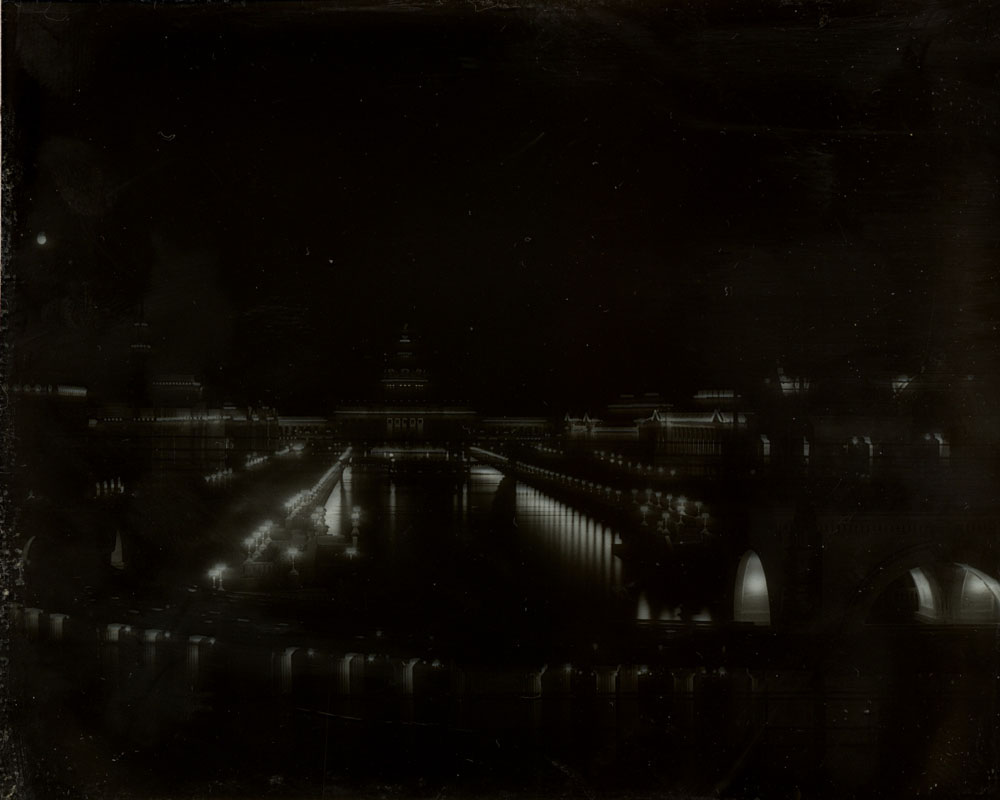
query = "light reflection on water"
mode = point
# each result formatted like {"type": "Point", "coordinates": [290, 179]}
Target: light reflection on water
{"type": "Point", "coordinates": [581, 545]}
{"type": "Point", "coordinates": [339, 505]}
{"type": "Point", "coordinates": [552, 533]}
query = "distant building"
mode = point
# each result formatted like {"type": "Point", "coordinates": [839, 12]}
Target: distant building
{"type": "Point", "coordinates": [198, 440]}
{"type": "Point", "coordinates": [404, 376]}
{"type": "Point", "coordinates": [696, 442]}
{"type": "Point", "coordinates": [406, 414]}
{"type": "Point", "coordinates": [645, 428]}
{"type": "Point", "coordinates": [514, 428]}
{"type": "Point", "coordinates": [631, 407]}
{"type": "Point", "coordinates": [176, 391]}
{"type": "Point", "coordinates": [592, 430]}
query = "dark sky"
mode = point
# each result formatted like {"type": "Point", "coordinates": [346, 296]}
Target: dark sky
{"type": "Point", "coordinates": [567, 203]}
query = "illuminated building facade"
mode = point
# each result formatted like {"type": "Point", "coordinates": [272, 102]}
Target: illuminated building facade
{"type": "Point", "coordinates": [405, 416]}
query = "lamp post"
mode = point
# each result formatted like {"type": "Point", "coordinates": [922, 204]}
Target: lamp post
{"type": "Point", "coordinates": [216, 574]}
{"type": "Point", "coordinates": [645, 510]}
{"type": "Point", "coordinates": [249, 543]}
{"type": "Point", "coordinates": [293, 553]}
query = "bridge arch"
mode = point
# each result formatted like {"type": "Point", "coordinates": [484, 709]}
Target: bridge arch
{"type": "Point", "coordinates": [751, 602]}
{"type": "Point", "coordinates": [976, 596]}
{"type": "Point", "coordinates": [930, 603]}
{"type": "Point", "coordinates": [941, 588]}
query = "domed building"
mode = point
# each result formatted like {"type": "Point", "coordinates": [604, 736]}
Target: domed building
{"type": "Point", "coordinates": [406, 416]}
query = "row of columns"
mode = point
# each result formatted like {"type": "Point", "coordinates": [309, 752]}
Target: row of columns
{"type": "Point", "coordinates": [348, 675]}
{"type": "Point", "coordinates": [36, 624]}
{"type": "Point", "coordinates": [619, 681]}
{"type": "Point", "coordinates": [348, 670]}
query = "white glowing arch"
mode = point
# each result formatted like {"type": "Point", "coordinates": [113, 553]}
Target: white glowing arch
{"type": "Point", "coordinates": [929, 606]}
{"type": "Point", "coordinates": [750, 600]}
{"type": "Point", "coordinates": [977, 596]}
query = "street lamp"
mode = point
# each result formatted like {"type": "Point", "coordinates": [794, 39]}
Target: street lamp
{"type": "Point", "coordinates": [293, 553]}
{"type": "Point", "coordinates": [249, 543]}
{"type": "Point", "coordinates": [645, 510]}
{"type": "Point", "coordinates": [216, 574]}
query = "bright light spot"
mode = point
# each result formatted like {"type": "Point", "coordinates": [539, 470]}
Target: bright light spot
{"type": "Point", "coordinates": [643, 612]}
{"type": "Point", "coordinates": [41, 238]}
{"type": "Point", "coordinates": [754, 583]}
{"type": "Point", "coordinates": [751, 602]}
{"type": "Point", "coordinates": [925, 593]}
{"type": "Point", "coordinates": [980, 594]}
{"type": "Point", "coordinates": [900, 383]}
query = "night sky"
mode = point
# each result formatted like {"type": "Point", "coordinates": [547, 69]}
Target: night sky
{"type": "Point", "coordinates": [567, 203]}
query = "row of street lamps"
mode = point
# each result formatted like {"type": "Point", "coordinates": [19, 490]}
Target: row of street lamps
{"type": "Point", "coordinates": [257, 542]}
{"type": "Point", "coordinates": [218, 572]}
{"type": "Point", "coordinates": [666, 503]}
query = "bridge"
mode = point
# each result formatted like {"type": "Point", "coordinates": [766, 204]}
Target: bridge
{"type": "Point", "coordinates": [791, 661]}
{"type": "Point", "coordinates": [791, 568]}
{"type": "Point", "coordinates": [843, 568]}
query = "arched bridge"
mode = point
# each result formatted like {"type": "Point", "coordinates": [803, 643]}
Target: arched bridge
{"type": "Point", "coordinates": [845, 571]}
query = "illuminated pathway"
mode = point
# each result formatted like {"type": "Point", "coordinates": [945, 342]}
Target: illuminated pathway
{"type": "Point", "coordinates": [292, 540]}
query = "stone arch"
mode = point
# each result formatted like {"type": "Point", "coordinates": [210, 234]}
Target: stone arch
{"type": "Point", "coordinates": [975, 596]}
{"type": "Point", "coordinates": [930, 603]}
{"type": "Point", "coordinates": [868, 591]}
{"type": "Point", "coordinates": [918, 594]}
{"type": "Point", "coordinates": [948, 591]}
{"type": "Point", "coordinates": [751, 602]}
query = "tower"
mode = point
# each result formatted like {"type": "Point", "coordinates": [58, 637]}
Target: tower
{"type": "Point", "coordinates": [404, 377]}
